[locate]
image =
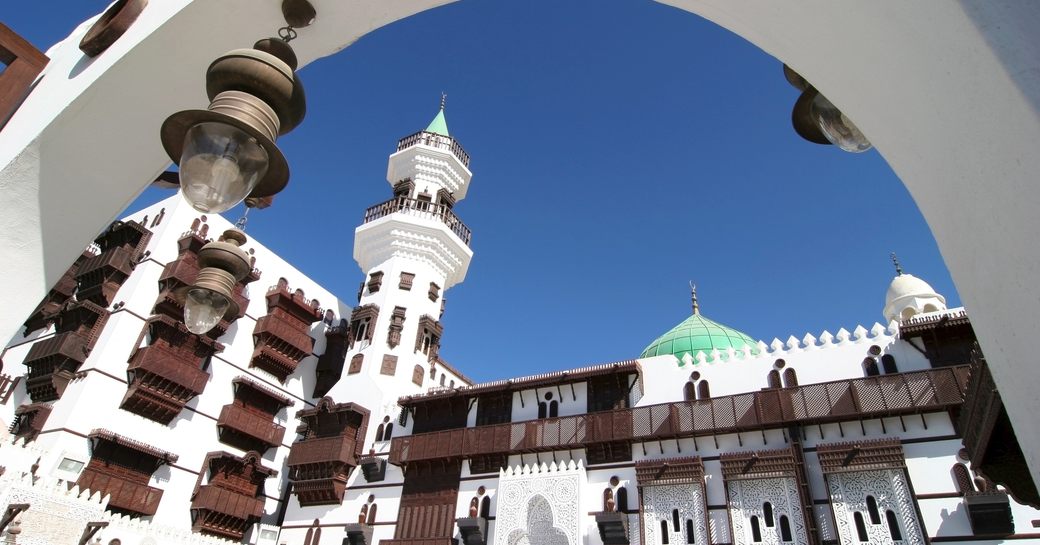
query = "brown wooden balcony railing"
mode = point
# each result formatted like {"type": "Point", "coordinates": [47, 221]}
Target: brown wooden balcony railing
{"type": "Point", "coordinates": [227, 502]}
{"type": "Point", "coordinates": [125, 494]}
{"type": "Point", "coordinates": [437, 141]}
{"type": "Point", "coordinates": [422, 209]}
{"type": "Point", "coordinates": [260, 428]}
{"type": "Point", "coordinates": [183, 378]}
{"type": "Point", "coordinates": [871, 397]}
{"type": "Point", "coordinates": [322, 450]}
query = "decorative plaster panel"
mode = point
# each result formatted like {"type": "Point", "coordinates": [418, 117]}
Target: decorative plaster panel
{"type": "Point", "coordinates": [540, 505]}
{"type": "Point", "coordinates": [849, 493]}
{"type": "Point", "coordinates": [660, 501]}
{"type": "Point", "coordinates": [746, 499]}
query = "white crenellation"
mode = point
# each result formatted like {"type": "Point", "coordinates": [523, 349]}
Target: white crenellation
{"type": "Point", "coordinates": [58, 512]}
{"type": "Point", "coordinates": [776, 348]}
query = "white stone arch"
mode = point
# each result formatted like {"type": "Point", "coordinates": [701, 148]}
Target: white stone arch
{"type": "Point", "coordinates": [953, 110]}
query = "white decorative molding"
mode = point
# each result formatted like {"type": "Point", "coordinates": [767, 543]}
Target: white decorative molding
{"type": "Point", "coordinates": [849, 493]}
{"type": "Point", "coordinates": [747, 498]}
{"type": "Point", "coordinates": [659, 503]}
{"type": "Point", "coordinates": [540, 504]}
{"type": "Point", "coordinates": [414, 238]}
{"type": "Point", "coordinates": [431, 165]}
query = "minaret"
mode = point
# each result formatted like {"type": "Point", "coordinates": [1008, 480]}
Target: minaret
{"type": "Point", "coordinates": [412, 248]}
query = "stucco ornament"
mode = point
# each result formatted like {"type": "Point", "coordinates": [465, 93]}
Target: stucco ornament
{"type": "Point", "coordinates": [849, 493]}
{"type": "Point", "coordinates": [747, 498]}
{"type": "Point", "coordinates": [661, 500]}
{"type": "Point", "coordinates": [540, 504]}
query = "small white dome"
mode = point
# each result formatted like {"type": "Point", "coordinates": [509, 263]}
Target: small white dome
{"type": "Point", "coordinates": [908, 296]}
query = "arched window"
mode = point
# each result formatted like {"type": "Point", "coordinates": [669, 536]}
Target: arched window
{"type": "Point", "coordinates": [313, 536]}
{"type": "Point", "coordinates": [474, 506]}
{"type": "Point", "coordinates": [622, 499]}
{"type": "Point", "coordinates": [608, 499]}
{"type": "Point", "coordinates": [664, 532]}
{"type": "Point", "coordinates": [443, 376]}
{"type": "Point", "coordinates": [872, 510]}
{"type": "Point", "coordinates": [542, 409]}
{"type": "Point", "coordinates": [554, 409]}
{"type": "Point", "coordinates": [785, 529]}
{"type": "Point", "coordinates": [363, 515]}
{"type": "Point", "coordinates": [893, 526]}
{"type": "Point", "coordinates": [689, 531]}
{"type": "Point", "coordinates": [767, 513]}
{"type": "Point", "coordinates": [703, 392]}
{"type": "Point", "coordinates": [756, 532]}
{"type": "Point", "coordinates": [389, 432]}
{"type": "Point", "coordinates": [372, 514]}
{"type": "Point", "coordinates": [485, 507]}
{"type": "Point", "coordinates": [888, 362]}
{"type": "Point", "coordinates": [861, 529]}
{"type": "Point", "coordinates": [675, 520]}
{"type": "Point", "coordinates": [962, 479]}
{"type": "Point", "coordinates": [689, 392]}
{"type": "Point", "coordinates": [870, 367]}
{"type": "Point", "coordinates": [433, 373]}
{"type": "Point", "coordinates": [790, 378]}
{"type": "Point", "coordinates": [379, 433]}
{"type": "Point", "coordinates": [452, 383]}
{"type": "Point", "coordinates": [773, 379]}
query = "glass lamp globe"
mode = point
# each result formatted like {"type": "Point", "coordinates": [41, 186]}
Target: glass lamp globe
{"type": "Point", "coordinates": [203, 309]}
{"type": "Point", "coordinates": [836, 127]}
{"type": "Point", "coordinates": [220, 166]}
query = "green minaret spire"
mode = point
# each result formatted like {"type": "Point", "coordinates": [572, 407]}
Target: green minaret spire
{"type": "Point", "coordinates": [439, 125]}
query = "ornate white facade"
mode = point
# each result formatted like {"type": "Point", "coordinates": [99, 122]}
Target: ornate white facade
{"type": "Point", "coordinates": [393, 445]}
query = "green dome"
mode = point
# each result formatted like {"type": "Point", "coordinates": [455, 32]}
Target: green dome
{"type": "Point", "coordinates": [696, 334]}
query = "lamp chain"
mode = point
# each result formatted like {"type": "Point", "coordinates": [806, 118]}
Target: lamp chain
{"type": "Point", "coordinates": [241, 223]}
{"type": "Point", "coordinates": [287, 33]}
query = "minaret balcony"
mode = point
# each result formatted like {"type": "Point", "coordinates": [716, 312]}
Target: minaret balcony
{"type": "Point", "coordinates": [420, 209]}
{"type": "Point", "coordinates": [434, 140]}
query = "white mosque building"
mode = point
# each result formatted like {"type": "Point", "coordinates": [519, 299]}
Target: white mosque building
{"type": "Point", "coordinates": [308, 421]}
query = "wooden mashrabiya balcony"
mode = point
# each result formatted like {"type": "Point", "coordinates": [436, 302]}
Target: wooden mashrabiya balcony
{"type": "Point", "coordinates": [871, 397]}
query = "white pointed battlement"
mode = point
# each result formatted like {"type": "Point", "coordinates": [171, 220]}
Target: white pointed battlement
{"type": "Point", "coordinates": [877, 334]}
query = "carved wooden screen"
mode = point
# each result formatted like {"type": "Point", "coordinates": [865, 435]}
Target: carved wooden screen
{"type": "Point", "coordinates": [494, 408]}
{"type": "Point", "coordinates": [428, 501]}
{"type": "Point", "coordinates": [440, 414]}
{"type": "Point", "coordinates": [607, 392]}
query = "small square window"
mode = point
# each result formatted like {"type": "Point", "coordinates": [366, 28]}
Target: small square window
{"type": "Point", "coordinates": [69, 465]}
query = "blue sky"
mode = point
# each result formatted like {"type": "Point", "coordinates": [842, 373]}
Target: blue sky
{"type": "Point", "coordinates": [620, 149]}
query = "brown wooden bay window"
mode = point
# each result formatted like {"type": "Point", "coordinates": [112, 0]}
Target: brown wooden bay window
{"type": "Point", "coordinates": [122, 468]}
{"type": "Point", "coordinates": [320, 462]}
{"type": "Point", "coordinates": [248, 421]}
{"type": "Point", "coordinates": [232, 498]}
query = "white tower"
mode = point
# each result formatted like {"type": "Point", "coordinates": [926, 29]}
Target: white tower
{"type": "Point", "coordinates": [412, 248]}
